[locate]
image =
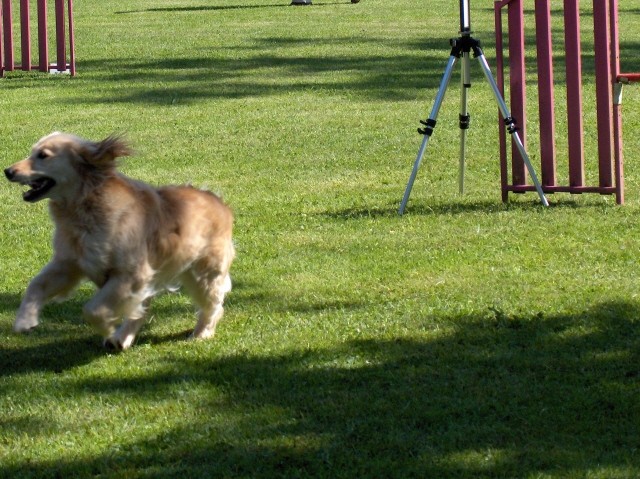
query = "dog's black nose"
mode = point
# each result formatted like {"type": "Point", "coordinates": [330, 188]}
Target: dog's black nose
{"type": "Point", "coordinates": [8, 172]}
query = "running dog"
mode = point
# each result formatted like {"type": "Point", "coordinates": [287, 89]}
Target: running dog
{"type": "Point", "coordinates": [130, 239]}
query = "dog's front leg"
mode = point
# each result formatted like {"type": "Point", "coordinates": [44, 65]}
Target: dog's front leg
{"type": "Point", "coordinates": [117, 299]}
{"type": "Point", "coordinates": [58, 278]}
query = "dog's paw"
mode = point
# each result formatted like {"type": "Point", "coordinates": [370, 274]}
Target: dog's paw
{"type": "Point", "coordinates": [202, 334]}
{"type": "Point", "coordinates": [113, 344]}
{"type": "Point", "coordinates": [24, 325]}
{"type": "Point", "coordinates": [116, 343]}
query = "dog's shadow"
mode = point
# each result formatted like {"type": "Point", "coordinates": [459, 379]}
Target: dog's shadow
{"type": "Point", "coordinates": [9, 302]}
{"type": "Point", "coordinates": [64, 341]}
{"type": "Point", "coordinates": [61, 345]}
{"type": "Point", "coordinates": [57, 354]}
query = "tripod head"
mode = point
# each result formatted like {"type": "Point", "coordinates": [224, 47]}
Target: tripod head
{"type": "Point", "coordinates": [465, 43]}
{"type": "Point", "coordinates": [465, 17]}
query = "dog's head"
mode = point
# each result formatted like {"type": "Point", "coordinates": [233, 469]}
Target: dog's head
{"type": "Point", "coordinates": [59, 163]}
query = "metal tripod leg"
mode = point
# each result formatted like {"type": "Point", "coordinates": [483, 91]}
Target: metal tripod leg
{"type": "Point", "coordinates": [428, 130]}
{"type": "Point", "coordinates": [465, 118]}
{"type": "Point", "coordinates": [510, 124]}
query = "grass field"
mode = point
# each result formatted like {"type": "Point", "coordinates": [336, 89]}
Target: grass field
{"type": "Point", "coordinates": [467, 339]}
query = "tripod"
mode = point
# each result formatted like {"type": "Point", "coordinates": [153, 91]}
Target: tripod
{"type": "Point", "coordinates": [461, 48]}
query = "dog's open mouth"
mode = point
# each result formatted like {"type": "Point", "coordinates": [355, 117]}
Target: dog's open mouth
{"type": "Point", "coordinates": [38, 188]}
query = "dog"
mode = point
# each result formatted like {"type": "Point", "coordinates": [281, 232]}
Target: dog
{"type": "Point", "coordinates": [130, 239]}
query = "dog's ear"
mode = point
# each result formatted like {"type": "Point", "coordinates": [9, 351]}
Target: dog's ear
{"type": "Point", "coordinates": [103, 154]}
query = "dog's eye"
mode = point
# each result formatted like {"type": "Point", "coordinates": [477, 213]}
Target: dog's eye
{"type": "Point", "coordinates": [42, 155]}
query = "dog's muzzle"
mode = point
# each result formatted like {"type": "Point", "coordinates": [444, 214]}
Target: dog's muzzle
{"type": "Point", "coordinates": [39, 187]}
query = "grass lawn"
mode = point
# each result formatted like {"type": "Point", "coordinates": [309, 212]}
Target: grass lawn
{"type": "Point", "coordinates": [467, 339]}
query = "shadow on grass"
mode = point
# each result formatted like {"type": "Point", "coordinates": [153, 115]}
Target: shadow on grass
{"type": "Point", "coordinates": [202, 8]}
{"type": "Point", "coordinates": [205, 8]}
{"type": "Point", "coordinates": [258, 71]}
{"type": "Point", "coordinates": [9, 302]}
{"type": "Point", "coordinates": [57, 353]}
{"type": "Point", "coordinates": [422, 208]}
{"type": "Point", "coordinates": [496, 396]}
{"type": "Point", "coordinates": [61, 342]}
{"type": "Point", "coordinates": [261, 70]}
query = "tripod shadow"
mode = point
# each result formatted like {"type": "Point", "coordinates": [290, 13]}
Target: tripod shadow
{"type": "Point", "coordinates": [437, 209]}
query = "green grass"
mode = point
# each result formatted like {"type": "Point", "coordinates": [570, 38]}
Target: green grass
{"type": "Point", "coordinates": [467, 339]}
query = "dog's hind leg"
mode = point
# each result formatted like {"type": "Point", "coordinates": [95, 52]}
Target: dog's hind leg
{"type": "Point", "coordinates": [57, 279]}
{"type": "Point", "coordinates": [208, 293]}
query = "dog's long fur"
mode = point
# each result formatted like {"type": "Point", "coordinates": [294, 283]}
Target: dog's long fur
{"type": "Point", "coordinates": [130, 239]}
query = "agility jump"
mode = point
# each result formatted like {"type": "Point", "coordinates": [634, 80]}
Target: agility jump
{"type": "Point", "coordinates": [609, 82]}
{"type": "Point", "coordinates": [65, 63]}
{"type": "Point", "coordinates": [608, 95]}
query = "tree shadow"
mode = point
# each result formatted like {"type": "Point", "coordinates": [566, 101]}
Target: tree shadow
{"type": "Point", "coordinates": [379, 77]}
{"type": "Point", "coordinates": [205, 8]}
{"type": "Point", "coordinates": [495, 396]}
{"type": "Point", "coordinates": [202, 8]}
{"type": "Point", "coordinates": [183, 80]}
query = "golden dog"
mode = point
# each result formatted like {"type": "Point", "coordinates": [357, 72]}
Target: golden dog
{"type": "Point", "coordinates": [130, 239]}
